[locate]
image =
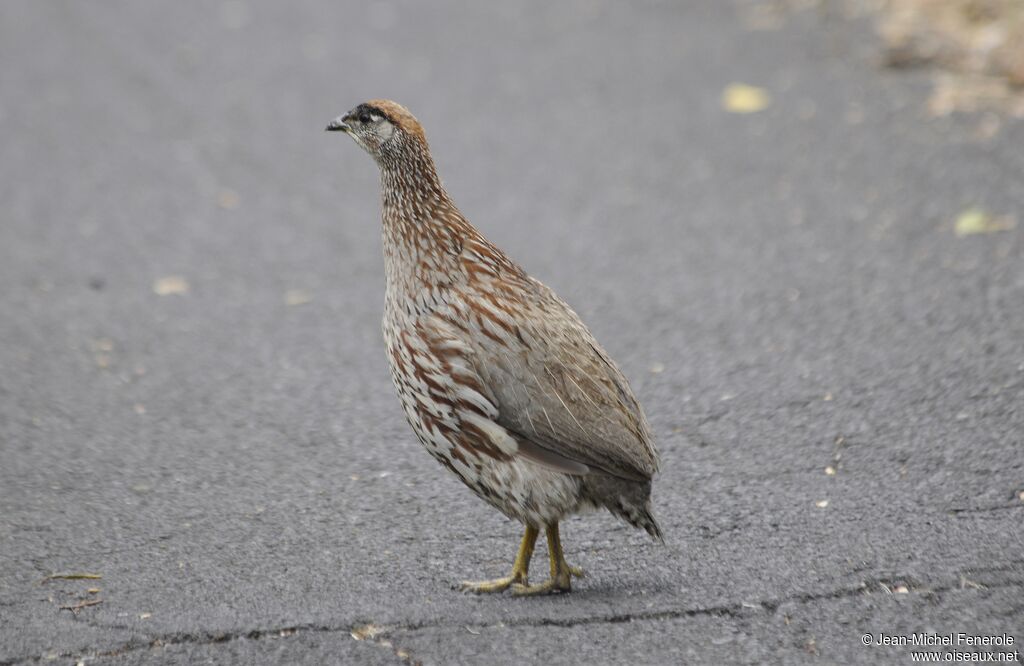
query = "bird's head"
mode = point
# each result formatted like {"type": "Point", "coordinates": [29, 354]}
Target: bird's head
{"type": "Point", "coordinates": [381, 127]}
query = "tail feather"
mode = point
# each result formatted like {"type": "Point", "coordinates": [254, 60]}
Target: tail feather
{"type": "Point", "coordinates": [648, 522]}
{"type": "Point", "coordinates": [628, 500]}
{"type": "Point", "coordinates": [639, 517]}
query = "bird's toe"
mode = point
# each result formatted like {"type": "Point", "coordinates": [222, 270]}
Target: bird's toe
{"type": "Point", "coordinates": [550, 586]}
{"type": "Point", "coordinates": [490, 586]}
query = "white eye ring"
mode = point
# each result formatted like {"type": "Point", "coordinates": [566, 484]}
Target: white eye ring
{"type": "Point", "coordinates": [374, 118]}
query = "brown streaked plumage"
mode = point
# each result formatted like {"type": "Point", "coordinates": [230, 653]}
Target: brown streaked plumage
{"type": "Point", "coordinates": [500, 380]}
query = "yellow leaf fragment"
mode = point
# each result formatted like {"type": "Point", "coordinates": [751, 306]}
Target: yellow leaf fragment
{"type": "Point", "coordinates": [172, 284]}
{"type": "Point", "coordinates": [976, 221]}
{"type": "Point", "coordinates": [742, 98]}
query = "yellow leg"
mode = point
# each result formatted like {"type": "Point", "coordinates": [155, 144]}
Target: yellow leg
{"type": "Point", "coordinates": [561, 572]}
{"type": "Point", "coordinates": [520, 568]}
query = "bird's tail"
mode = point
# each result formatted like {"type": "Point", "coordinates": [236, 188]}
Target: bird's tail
{"type": "Point", "coordinates": [639, 516]}
{"type": "Point", "coordinates": [647, 522]}
{"type": "Point", "coordinates": [629, 500]}
{"type": "Point", "coordinates": [650, 525]}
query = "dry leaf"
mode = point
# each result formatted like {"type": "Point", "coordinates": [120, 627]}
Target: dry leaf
{"type": "Point", "coordinates": [297, 297]}
{"type": "Point", "coordinates": [366, 631]}
{"type": "Point", "coordinates": [977, 221]}
{"type": "Point", "coordinates": [981, 41]}
{"type": "Point", "coordinates": [228, 199]}
{"type": "Point", "coordinates": [821, 504]}
{"type": "Point", "coordinates": [172, 284]}
{"type": "Point", "coordinates": [971, 94]}
{"type": "Point", "coordinates": [741, 98]}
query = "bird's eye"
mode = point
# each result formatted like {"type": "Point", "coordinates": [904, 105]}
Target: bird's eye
{"type": "Point", "coordinates": [364, 117]}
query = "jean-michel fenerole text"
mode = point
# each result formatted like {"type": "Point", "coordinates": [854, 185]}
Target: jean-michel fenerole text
{"type": "Point", "coordinates": [958, 639]}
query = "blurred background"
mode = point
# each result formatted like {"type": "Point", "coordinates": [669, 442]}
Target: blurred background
{"type": "Point", "coordinates": [795, 224]}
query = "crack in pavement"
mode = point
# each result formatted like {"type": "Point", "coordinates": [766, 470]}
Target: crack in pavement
{"type": "Point", "coordinates": [986, 509]}
{"type": "Point", "coordinates": [193, 638]}
{"type": "Point", "coordinates": [383, 637]}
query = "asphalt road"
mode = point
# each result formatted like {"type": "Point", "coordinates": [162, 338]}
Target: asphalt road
{"type": "Point", "coordinates": [784, 289]}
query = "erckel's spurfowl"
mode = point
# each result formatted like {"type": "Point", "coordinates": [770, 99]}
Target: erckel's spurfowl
{"type": "Point", "coordinates": [499, 378]}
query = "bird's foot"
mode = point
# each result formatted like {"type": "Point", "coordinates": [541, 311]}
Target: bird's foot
{"type": "Point", "coordinates": [557, 584]}
{"type": "Point", "coordinates": [520, 569]}
{"type": "Point", "coordinates": [550, 586]}
{"type": "Point", "coordinates": [492, 586]}
{"type": "Point", "coordinates": [520, 585]}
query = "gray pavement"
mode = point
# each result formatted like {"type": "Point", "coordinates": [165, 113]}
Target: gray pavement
{"type": "Point", "coordinates": [784, 289]}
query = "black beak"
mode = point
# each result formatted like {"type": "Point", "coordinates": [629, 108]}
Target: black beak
{"type": "Point", "coordinates": [338, 125]}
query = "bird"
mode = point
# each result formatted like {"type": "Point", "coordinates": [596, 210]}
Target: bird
{"type": "Point", "coordinates": [499, 378]}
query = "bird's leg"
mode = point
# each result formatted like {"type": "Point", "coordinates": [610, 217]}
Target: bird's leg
{"type": "Point", "coordinates": [520, 568]}
{"type": "Point", "coordinates": [561, 572]}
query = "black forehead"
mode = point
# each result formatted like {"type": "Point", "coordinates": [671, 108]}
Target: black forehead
{"type": "Point", "coordinates": [367, 109]}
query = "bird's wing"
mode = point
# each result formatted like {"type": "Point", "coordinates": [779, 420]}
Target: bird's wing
{"type": "Point", "coordinates": [553, 384]}
{"type": "Point", "coordinates": [443, 361]}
